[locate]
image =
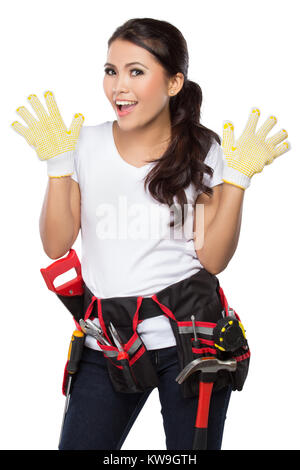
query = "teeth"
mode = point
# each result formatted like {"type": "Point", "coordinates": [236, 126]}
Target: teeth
{"type": "Point", "coordinates": [125, 102]}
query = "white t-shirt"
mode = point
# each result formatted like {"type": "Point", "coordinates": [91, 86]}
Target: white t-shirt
{"type": "Point", "coordinates": [127, 247]}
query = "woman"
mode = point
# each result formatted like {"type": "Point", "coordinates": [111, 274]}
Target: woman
{"type": "Point", "coordinates": [155, 152]}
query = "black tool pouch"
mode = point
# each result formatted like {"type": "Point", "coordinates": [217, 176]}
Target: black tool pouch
{"type": "Point", "coordinates": [131, 371]}
{"type": "Point", "coordinates": [136, 376]}
{"type": "Point", "coordinates": [201, 296]}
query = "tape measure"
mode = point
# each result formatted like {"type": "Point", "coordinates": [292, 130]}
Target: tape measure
{"type": "Point", "coordinates": [229, 334]}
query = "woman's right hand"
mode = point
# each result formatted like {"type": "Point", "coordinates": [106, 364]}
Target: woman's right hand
{"type": "Point", "coordinates": [49, 135]}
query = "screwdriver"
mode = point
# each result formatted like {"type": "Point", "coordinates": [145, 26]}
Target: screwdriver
{"type": "Point", "coordinates": [74, 356]}
{"type": "Point", "coordinates": [196, 342]}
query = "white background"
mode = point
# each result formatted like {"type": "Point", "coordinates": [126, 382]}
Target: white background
{"type": "Point", "coordinates": [243, 54]}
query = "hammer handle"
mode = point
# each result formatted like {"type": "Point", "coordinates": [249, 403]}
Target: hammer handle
{"type": "Point", "coordinates": [200, 433]}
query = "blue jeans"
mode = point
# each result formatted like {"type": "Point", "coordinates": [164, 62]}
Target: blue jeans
{"type": "Point", "coordinates": [100, 418]}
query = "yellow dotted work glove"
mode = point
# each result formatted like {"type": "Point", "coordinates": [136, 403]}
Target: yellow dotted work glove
{"type": "Point", "coordinates": [252, 151]}
{"type": "Point", "coordinates": [49, 135]}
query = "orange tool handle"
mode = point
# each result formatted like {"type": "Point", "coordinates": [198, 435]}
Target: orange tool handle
{"type": "Point", "coordinates": [75, 351]}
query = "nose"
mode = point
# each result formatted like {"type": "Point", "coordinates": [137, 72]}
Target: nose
{"type": "Point", "coordinates": [120, 84]}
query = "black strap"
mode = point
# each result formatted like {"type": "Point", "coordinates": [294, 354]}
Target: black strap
{"type": "Point", "coordinates": [149, 309]}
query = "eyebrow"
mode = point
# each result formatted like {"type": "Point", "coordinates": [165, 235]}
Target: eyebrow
{"type": "Point", "coordinates": [127, 65]}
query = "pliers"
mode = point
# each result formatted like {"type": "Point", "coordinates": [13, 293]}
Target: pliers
{"type": "Point", "coordinates": [123, 359]}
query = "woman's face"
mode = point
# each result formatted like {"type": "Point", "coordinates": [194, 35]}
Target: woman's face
{"type": "Point", "coordinates": [143, 82]}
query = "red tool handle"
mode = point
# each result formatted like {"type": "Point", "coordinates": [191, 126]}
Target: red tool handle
{"type": "Point", "coordinates": [70, 288]}
{"type": "Point", "coordinates": [200, 434]}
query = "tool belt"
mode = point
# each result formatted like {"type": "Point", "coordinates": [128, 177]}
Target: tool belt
{"type": "Point", "coordinates": [199, 295]}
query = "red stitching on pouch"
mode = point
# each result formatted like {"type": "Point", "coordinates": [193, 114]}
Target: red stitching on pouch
{"type": "Point", "coordinates": [136, 315]}
{"type": "Point", "coordinates": [90, 308]}
{"type": "Point", "coordinates": [204, 350]}
{"type": "Point", "coordinates": [137, 355]}
{"type": "Point", "coordinates": [209, 342]}
{"type": "Point", "coordinates": [165, 309]}
{"type": "Point", "coordinates": [243, 356]}
{"type": "Point", "coordinates": [202, 324]}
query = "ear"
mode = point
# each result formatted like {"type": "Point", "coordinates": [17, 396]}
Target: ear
{"type": "Point", "coordinates": [176, 83]}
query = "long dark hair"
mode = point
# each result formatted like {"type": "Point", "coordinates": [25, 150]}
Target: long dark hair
{"type": "Point", "coordinates": [183, 161]}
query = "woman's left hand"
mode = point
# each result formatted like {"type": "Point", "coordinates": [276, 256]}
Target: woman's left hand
{"type": "Point", "coordinates": [252, 151]}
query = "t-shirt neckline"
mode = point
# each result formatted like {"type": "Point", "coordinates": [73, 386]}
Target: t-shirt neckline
{"type": "Point", "coordinates": [116, 152]}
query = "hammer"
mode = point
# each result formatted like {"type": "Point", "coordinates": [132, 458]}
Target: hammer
{"type": "Point", "coordinates": [209, 367]}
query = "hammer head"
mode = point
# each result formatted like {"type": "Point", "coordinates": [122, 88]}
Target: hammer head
{"type": "Point", "coordinates": [206, 364]}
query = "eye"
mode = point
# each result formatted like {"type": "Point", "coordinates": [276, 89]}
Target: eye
{"type": "Point", "coordinates": [140, 72]}
{"type": "Point", "coordinates": [107, 70]}
{"type": "Point", "coordinates": [137, 70]}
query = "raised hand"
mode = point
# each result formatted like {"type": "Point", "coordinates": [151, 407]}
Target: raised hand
{"type": "Point", "coordinates": [252, 151]}
{"type": "Point", "coordinates": [48, 134]}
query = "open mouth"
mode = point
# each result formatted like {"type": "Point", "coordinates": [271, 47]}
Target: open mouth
{"type": "Point", "coordinates": [126, 107]}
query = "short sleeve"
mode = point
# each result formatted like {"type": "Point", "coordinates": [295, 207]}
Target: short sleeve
{"type": "Point", "coordinates": [74, 176]}
{"type": "Point", "coordinates": [214, 159]}
{"type": "Point", "coordinates": [76, 160]}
